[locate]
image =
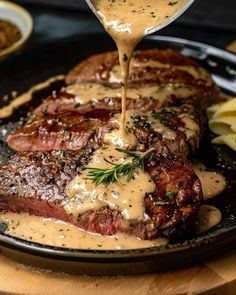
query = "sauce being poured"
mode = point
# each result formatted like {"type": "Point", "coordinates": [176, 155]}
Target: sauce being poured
{"type": "Point", "coordinates": [128, 22]}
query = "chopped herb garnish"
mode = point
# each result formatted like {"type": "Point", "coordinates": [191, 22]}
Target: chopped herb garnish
{"type": "Point", "coordinates": [45, 111]}
{"type": "Point", "coordinates": [62, 154]}
{"type": "Point", "coordinates": [165, 116]}
{"type": "Point", "coordinates": [161, 203]}
{"type": "Point", "coordinates": [77, 105]}
{"type": "Point", "coordinates": [170, 195]}
{"type": "Point", "coordinates": [156, 176]}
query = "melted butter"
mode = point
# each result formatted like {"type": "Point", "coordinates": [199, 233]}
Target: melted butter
{"type": "Point", "coordinates": [127, 197]}
{"type": "Point", "coordinates": [213, 183]}
{"type": "Point", "coordinates": [86, 92]}
{"type": "Point", "coordinates": [127, 22]}
{"type": "Point", "coordinates": [27, 96]}
{"type": "Point", "coordinates": [208, 217]}
{"type": "Point", "coordinates": [61, 234]}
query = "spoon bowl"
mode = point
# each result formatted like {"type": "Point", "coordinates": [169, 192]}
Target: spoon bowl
{"type": "Point", "coordinates": [157, 28]}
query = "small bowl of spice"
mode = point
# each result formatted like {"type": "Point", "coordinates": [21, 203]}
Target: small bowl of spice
{"type": "Point", "coordinates": [16, 26]}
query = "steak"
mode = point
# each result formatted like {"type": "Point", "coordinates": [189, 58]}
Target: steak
{"type": "Point", "coordinates": [35, 183]}
{"type": "Point", "coordinates": [66, 131]}
{"type": "Point", "coordinates": [150, 66]}
{"type": "Point", "coordinates": [64, 102]}
{"type": "Point", "coordinates": [171, 130]}
{"type": "Point", "coordinates": [75, 98]}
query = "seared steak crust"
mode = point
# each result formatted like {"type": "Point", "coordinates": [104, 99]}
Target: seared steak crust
{"type": "Point", "coordinates": [171, 67]}
{"type": "Point", "coordinates": [171, 209]}
{"type": "Point", "coordinates": [35, 183]}
{"type": "Point", "coordinates": [64, 102]}
{"type": "Point", "coordinates": [97, 68]}
{"type": "Point", "coordinates": [50, 145]}
{"type": "Point", "coordinates": [66, 131]}
{"type": "Point", "coordinates": [72, 131]}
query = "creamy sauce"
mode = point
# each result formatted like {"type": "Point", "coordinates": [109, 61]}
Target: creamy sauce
{"type": "Point", "coordinates": [208, 217]}
{"type": "Point", "coordinates": [156, 124]}
{"type": "Point", "coordinates": [87, 92]}
{"type": "Point", "coordinates": [190, 128]}
{"type": "Point", "coordinates": [213, 183]}
{"type": "Point", "coordinates": [127, 22]}
{"type": "Point", "coordinates": [49, 231]}
{"type": "Point", "coordinates": [27, 96]}
{"type": "Point", "coordinates": [127, 197]}
{"type": "Point", "coordinates": [196, 72]}
{"type": "Point", "coordinates": [61, 234]}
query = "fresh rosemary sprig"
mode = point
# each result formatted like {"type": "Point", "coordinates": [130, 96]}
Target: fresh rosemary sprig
{"type": "Point", "coordinates": [111, 175]}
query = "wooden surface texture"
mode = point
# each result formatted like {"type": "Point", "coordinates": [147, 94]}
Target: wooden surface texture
{"type": "Point", "coordinates": [215, 277]}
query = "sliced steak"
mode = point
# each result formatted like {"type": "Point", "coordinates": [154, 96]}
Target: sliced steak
{"type": "Point", "coordinates": [148, 66]}
{"type": "Point", "coordinates": [64, 102]}
{"type": "Point", "coordinates": [67, 131]}
{"type": "Point", "coordinates": [88, 96]}
{"type": "Point", "coordinates": [35, 183]}
{"type": "Point", "coordinates": [170, 130]}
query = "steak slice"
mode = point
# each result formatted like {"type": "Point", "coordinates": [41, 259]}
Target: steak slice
{"type": "Point", "coordinates": [170, 130]}
{"type": "Point", "coordinates": [64, 102]}
{"type": "Point", "coordinates": [35, 183]}
{"type": "Point", "coordinates": [88, 96]}
{"type": "Point", "coordinates": [160, 67]}
{"type": "Point", "coordinates": [67, 131]}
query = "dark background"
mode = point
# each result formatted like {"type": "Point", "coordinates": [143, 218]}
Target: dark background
{"type": "Point", "coordinates": [208, 21]}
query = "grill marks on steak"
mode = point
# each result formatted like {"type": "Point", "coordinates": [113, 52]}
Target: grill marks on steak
{"type": "Point", "coordinates": [72, 131]}
{"type": "Point", "coordinates": [35, 182]}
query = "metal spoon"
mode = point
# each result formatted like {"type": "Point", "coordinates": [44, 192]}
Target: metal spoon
{"type": "Point", "coordinates": [154, 29]}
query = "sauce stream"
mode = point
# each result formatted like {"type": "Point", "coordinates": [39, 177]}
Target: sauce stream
{"type": "Point", "coordinates": [127, 22]}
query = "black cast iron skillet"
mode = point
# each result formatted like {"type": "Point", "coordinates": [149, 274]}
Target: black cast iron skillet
{"type": "Point", "coordinates": [29, 67]}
